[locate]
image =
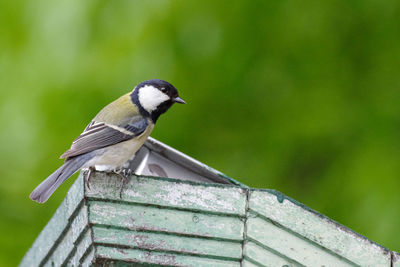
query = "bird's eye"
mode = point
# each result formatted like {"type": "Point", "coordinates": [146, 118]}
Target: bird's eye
{"type": "Point", "coordinates": [163, 89]}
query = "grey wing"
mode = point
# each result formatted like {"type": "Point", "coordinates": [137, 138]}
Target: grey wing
{"type": "Point", "coordinates": [99, 134]}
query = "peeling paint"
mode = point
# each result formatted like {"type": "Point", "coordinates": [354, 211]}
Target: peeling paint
{"type": "Point", "coordinates": [170, 222]}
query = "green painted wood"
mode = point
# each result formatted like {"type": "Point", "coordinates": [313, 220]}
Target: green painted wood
{"type": "Point", "coordinates": [82, 247]}
{"type": "Point", "coordinates": [172, 193]}
{"type": "Point", "coordinates": [89, 258]}
{"type": "Point", "coordinates": [150, 257]}
{"type": "Point", "coordinates": [149, 218]}
{"type": "Point", "coordinates": [66, 246]}
{"type": "Point", "coordinates": [395, 259]}
{"type": "Point", "coordinates": [289, 245]}
{"type": "Point", "coordinates": [260, 256]}
{"type": "Point", "coordinates": [167, 243]}
{"type": "Point", "coordinates": [247, 263]}
{"type": "Point", "coordinates": [179, 223]}
{"type": "Point", "coordinates": [310, 225]}
{"type": "Point", "coordinates": [48, 238]}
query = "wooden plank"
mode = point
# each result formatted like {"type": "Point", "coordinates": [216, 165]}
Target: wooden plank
{"type": "Point", "coordinates": [148, 218]}
{"type": "Point", "coordinates": [395, 259]}
{"type": "Point", "coordinates": [247, 263]}
{"type": "Point", "coordinates": [167, 242]}
{"type": "Point", "coordinates": [191, 224]}
{"type": "Point", "coordinates": [264, 257]}
{"type": "Point", "coordinates": [105, 255]}
{"type": "Point", "coordinates": [315, 227]}
{"type": "Point", "coordinates": [81, 248]}
{"type": "Point", "coordinates": [290, 245]}
{"type": "Point", "coordinates": [89, 258]}
{"type": "Point", "coordinates": [49, 236]}
{"type": "Point", "coordinates": [66, 245]}
{"type": "Point", "coordinates": [171, 193]}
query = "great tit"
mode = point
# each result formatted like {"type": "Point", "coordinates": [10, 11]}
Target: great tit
{"type": "Point", "coordinates": [114, 136]}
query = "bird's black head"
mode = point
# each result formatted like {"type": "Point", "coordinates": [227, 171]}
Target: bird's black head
{"type": "Point", "coordinates": [154, 97]}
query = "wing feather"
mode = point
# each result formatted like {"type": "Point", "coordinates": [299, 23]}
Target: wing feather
{"type": "Point", "coordinates": [99, 134]}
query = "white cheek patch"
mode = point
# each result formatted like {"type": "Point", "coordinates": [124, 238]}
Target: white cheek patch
{"type": "Point", "coordinates": [150, 97]}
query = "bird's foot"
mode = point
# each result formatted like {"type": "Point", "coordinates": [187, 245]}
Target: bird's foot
{"type": "Point", "coordinates": [88, 174]}
{"type": "Point", "coordinates": [125, 174]}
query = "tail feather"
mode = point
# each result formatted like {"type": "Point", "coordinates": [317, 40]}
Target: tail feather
{"type": "Point", "coordinates": [43, 191]}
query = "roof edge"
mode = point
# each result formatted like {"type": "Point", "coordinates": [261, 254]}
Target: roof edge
{"type": "Point", "coordinates": [190, 163]}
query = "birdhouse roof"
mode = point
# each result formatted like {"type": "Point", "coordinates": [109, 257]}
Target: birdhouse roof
{"type": "Point", "coordinates": [175, 222]}
{"type": "Point", "coordinates": [158, 159]}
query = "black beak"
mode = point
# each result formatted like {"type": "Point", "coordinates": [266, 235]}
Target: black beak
{"type": "Point", "coordinates": [179, 100]}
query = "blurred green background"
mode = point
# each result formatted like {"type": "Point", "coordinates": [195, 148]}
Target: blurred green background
{"type": "Point", "coordinates": [300, 96]}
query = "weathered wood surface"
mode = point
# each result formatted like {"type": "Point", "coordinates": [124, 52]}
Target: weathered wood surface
{"type": "Point", "coordinates": [167, 243]}
{"type": "Point", "coordinates": [82, 251]}
{"type": "Point", "coordinates": [158, 258]}
{"type": "Point", "coordinates": [395, 259]}
{"type": "Point", "coordinates": [66, 245]}
{"type": "Point", "coordinates": [172, 193]}
{"type": "Point", "coordinates": [179, 223]}
{"type": "Point", "coordinates": [48, 239]}
{"type": "Point", "coordinates": [307, 236]}
{"type": "Point", "coordinates": [148, 218]}
{"type": "Point", "coordinates": [259, 255]}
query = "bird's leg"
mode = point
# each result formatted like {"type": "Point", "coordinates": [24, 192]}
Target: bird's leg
{"type": "Point", "coordinates": [88, 174]}
{"type": "Point", "coordinates": [127, 173]}
{"type": "Point", "coordinates": [124, 173]}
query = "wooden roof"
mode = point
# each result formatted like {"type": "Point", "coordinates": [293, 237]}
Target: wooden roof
{"type": "Point", "coordinates": [182, 223]}
{"type": "Point", "coordinates": [204, 218]}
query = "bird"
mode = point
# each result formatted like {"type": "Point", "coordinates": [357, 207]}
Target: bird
{"type": "Point", "coordinates": [114, 135]}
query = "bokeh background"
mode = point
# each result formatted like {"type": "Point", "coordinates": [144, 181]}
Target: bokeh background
{"type": "Point", "coordinates": [299, 96]}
